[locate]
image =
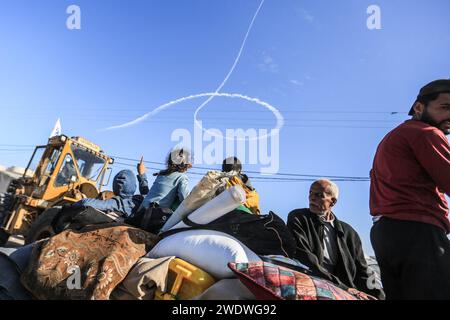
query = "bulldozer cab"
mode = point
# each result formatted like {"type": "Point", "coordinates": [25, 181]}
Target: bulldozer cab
{"type": "Point", "coordinates": [72, 167]}
{"type": "Point", "coordinates": [65, 170]}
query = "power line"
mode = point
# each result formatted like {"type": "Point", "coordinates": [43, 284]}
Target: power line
{"type": "Point", "coordinates": [261, 123]}
{"type": "Point", "coordinates": [302, 176]}
{"type": "Point", "coordinates": [225, 120]}
{"type": "Point", "coordinates": [158, 169]}
{"type": "Point", "coordinates": [18, 145]}
{"type": "Point", "coordinates": [261, 179]}
{"type": "Point", "coordinates": [185, 110]}
{"type": "Point", "coordinates": [276, 177]}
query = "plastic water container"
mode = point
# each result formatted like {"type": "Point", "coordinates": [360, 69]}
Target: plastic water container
{"type": "Point", "coordinates": [185, 281]}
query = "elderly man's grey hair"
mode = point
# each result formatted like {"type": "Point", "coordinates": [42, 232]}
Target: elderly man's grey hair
{"type": "Point", "coordinates": [333, 186]}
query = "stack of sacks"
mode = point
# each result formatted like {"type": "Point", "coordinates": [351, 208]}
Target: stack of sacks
{"type": "Point", "coordinates": [204, 191]}
{"type": "Point", "coordinates": [225, 202]}
{"type": "Point", "coordinates": [206, 249]}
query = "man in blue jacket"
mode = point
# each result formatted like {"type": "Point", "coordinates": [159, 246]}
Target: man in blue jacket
{"type": "Point", "coordinates": [124, 202]}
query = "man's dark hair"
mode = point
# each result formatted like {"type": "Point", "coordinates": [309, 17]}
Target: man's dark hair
{"type": "Point", "coordinates": [430, 92]}
{"type": "Point", "coordinates": [178, 160]}
{"type": "Point", "coordinates": [425, 100]}
{"type": "Point", "coordinates": [231, 164]}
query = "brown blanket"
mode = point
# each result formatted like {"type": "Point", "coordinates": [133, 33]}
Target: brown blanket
{"type": "Point", "coordinates": [85, 264]}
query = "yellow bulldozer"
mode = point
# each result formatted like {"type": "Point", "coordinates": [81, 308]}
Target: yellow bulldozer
{"type": "Point", "coordinates": [65, 170]}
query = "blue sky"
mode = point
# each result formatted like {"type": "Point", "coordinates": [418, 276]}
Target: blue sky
{"type": "Point", "coordinates": [335, 82]}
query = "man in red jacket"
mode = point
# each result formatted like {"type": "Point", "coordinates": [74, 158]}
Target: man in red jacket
{"type": "Point", "coordinates": [409, 180]}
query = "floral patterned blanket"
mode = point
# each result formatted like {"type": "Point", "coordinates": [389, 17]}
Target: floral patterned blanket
{"type": "Point", "coordinates": [268, 281]}
{"type": "Point", "coordinates": [85, 264]}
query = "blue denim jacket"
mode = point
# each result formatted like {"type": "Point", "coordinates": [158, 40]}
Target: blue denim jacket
{"type": "Point", "coordinates": [166, 191]}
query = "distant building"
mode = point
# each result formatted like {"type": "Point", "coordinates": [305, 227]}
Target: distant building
{"type": "Point", "coordinates": [8, 174]}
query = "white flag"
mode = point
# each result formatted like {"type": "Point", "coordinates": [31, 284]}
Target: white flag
{"type": "Point", "coordinates": [57, 129]}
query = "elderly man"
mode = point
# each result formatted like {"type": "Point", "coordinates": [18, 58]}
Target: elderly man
{"type": "Point", "coordinates": [330, 247]}
{"type": "Point", "coordinates": [409, 180]}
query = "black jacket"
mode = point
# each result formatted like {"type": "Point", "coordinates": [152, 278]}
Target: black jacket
{"type": "Point", "coordinates": [351, 270]}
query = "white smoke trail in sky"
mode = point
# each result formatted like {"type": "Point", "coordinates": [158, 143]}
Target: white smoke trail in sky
{"type": "Point", "coordinates": [279, 125]}
{"type": "Point", "coordinates": [235, 61]}
{"type": "Point", "coordinates": [277, 114]}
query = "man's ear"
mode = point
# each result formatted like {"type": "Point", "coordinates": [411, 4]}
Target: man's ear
{"type": "Point", "coordinates": [418, 108]}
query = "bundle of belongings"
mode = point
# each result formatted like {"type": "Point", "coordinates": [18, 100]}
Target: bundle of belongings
{"type": "Point", "coordinates": [268, 281]}
{"type": "Point", "coordinates": [86, 264]}
{"type": "Point", "coordinates": [13, 262]}
{"type": "Point", "coordinates": [214, 231]}
{"type": "Point", "coordinates": [216, 245]}
{"type": "Point", "coordinates": [214, 183]}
